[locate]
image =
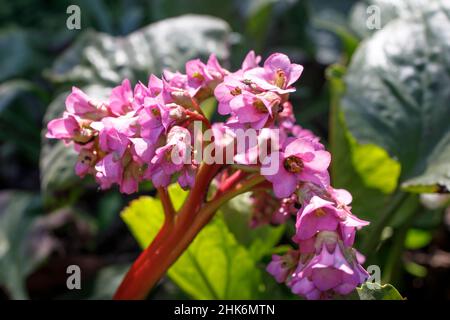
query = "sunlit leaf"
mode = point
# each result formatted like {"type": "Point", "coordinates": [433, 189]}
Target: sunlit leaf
{"type": "Point", "coordinates": [397, 95]}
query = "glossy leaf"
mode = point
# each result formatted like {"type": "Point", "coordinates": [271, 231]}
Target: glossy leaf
{"type": "Point", "coordinates": [17, 256]}
{"type": "Point", "coordinates": [364, 169]}
{"type": "Point", "coordinates": [168, 44]}
{"type": "Point", "coordinates": [397, 95]}
{"type": "Point", "coordinates": [16, 53]}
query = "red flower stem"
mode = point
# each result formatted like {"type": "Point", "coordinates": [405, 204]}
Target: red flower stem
{"type": "Point", "coordinates": [197, 107]}
{"type": "Point", "coordinates": [169, 211]}
{"type": "Point", "coordinates": [230, 181]}
{"type": "Point", "coordinates": [243, 186]}
{"type": "Point", "coordinates": [196, 116]}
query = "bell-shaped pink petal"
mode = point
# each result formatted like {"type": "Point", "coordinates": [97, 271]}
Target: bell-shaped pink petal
{"type": "Point", "coordinates": [62, 128]}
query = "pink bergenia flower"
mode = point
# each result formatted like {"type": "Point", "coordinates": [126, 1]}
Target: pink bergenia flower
{"type": "Point", "coordinates": [251, 61]}
{"type": "Point", "coordinates": [140, 93]}
{"type": "Point", "coordinates": [155, 85]}
{"type": "Point", "coordinates": [229, 89]}
{"type": "Point", "coordinates": [299, 161]}
{"type": "Point", "coordinates": [286, 117]}
{"type": "Point", "coordinates": [142, 150]}
{"type": "Point", "coordinates": [171, 158]}
{"type": "Point", "coordinates": [176, 90]}
{"type": "Point", "coordinates": [186, 177]}
{"type": "Point", "coordinates": [288, 207]}
{"type": "Point", "coordinates": [318, 215]}
{"type": "Point", "coordinates": [121, 99]}
{"type": "Point", "coordinates": [321, 215]}
{"type": "Point", "coordinates": [145, 95]}
{"type": "Point", "coordinates": [264, 204]}
{"type": "Point", "coordinates": [63, 128]}
{"type": "Point", "coordinates": [86, 162]}
{"type": "Point", "coordinates": [202, 75]}
{"type": "Point", "coordinates": [281, 266]}
{"type": "Point", "coordinates": [341, 197]}
{"type": "Point", "coordinates": [109, 171]}
{"type": "Point", "coordinates": [329, 270]}
{"type": "Point", "coordinates": [197, 75]}
{"type": "Point", "coordinates": [114, 133]}
{"type": "Point", "coordinates": [131, 178]}
{"type": "Point", "coordinates": [251, 109]}
{"type": "Point", "coordinates": [150, 120]}
{"type": "Point", "coordinates": [277, 75]}
{"type": "Point", "coordinates": [80, 104]}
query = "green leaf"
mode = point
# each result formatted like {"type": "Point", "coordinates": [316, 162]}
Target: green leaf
{"type": "Point", "coordinates": [215, 266]}
{"type": "Point", "coordinates": [397, 95]}
{"type": "Point", "coordinates": [107, 281]}
{"type": "Point", "coordinates": [417, 238]}
{"type": "Point", "coordinates": [20, 105]}
{"type": "Point", "coordinates": [348, 40]}
{"type": "Point", "coordinates": [209, 107]}
{"type": "Point", "coordinates": [144, 216]}
{"type": "Point", "coordinates": [361, 18]}
{"type": "Point", "coordinates": [11, 89]}
{"type": "Point", "coordinates": [374, 291]}
{"type": "Point", "coordinates": [225, 10]}
{"type": "Point", "coordinates": [18, 258]}
{"type": "Point", "coordinates": [260, 241]}
{"type": "Point", "coordinates": [416, 269]}
{"type": "Point", "coordinates": [16, 54]}
{"type": "Point", "coordinates": [364, 169]}
{"type": "Point", "coordinates": [168, 44]}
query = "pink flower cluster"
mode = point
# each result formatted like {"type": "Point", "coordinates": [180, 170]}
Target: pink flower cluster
{"type": "Point", "coordinates": [132, 136]}
{"type": "Point", "coordinates": [325, 263]}
{"type": "Point", "coordinates": [146, 133]}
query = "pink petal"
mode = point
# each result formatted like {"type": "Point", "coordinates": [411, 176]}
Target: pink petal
{"type": "Point", "coordinates": [62, 128]}
{"type": "Point", "coordinates": [321, 161]}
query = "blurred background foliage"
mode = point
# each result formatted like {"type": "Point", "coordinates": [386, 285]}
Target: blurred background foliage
{"type": "Point", "coordinates": [380, 100]}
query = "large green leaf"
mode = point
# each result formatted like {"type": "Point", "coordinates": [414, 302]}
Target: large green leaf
{"type": "Point", "coordinates": [16, 53]}
{"type": "Point", "coordinates": [215, 266]}
{"type": "Point", "coordinates": [100, 58]}
{"type": "Point", "coordinates": [364, 169]}
{"type": "Point", "coordinates": [20, 104]}
{"type": "Point", "coordinates": [364, 15]}
{"type": "Point", "coordinates": [97, 61]}
{"type": "Point", "coordinates": [18, 257]}
{"type": "Point", "coordinates": [398, 95]}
